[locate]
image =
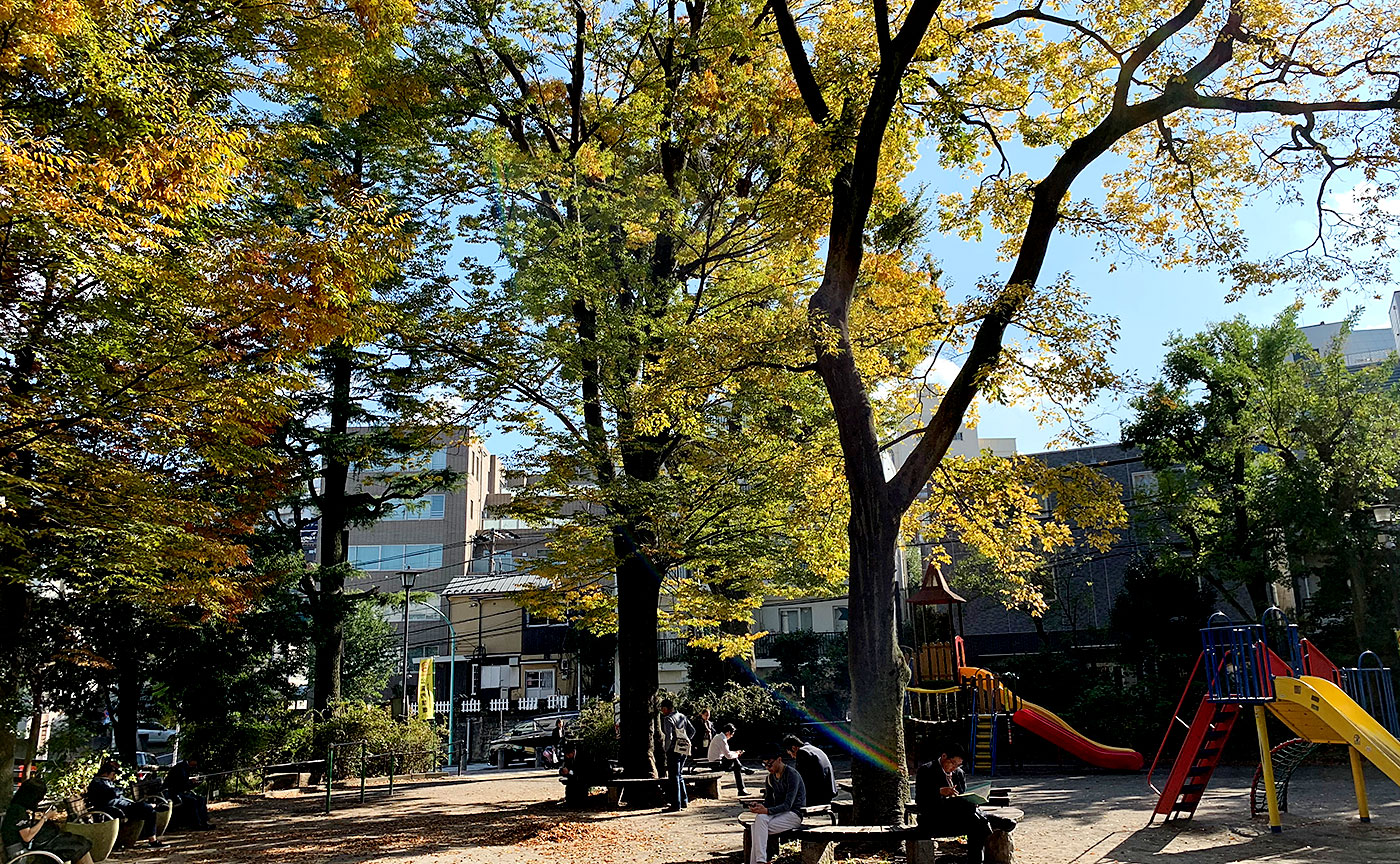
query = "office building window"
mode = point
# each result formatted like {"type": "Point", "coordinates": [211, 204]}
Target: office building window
{"type": "Point", "coordinates": [539, 683]}
{"type": "Point", "coordinates": [418, 652]}
{"type": "Point", "coordinates": [795, 620]}
{"type": "Point", "coordinates": [435, 461]}
{"type": "Point", "coordinates": [426, 507]}
{"type": "Point", "coordinates": [395, 557]}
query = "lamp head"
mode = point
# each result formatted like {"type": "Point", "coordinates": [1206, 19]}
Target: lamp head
{"type": "Point", "coordinates": [408, 577]}
{"type": "Point", "coordinates": [1383, 514]}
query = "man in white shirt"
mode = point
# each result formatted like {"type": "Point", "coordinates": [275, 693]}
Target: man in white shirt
{"type": "Point", "coordinates": [728, 759]}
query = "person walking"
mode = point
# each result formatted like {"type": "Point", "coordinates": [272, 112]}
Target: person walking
{"type": "Point", "coordinates": [783, 797]}
{"type": "Point", "coordinates": [728, 759]}
{"type": "Point", "coordinates": [677, 735]}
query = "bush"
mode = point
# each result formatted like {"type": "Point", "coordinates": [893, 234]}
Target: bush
{"type": "Point", "coordinates": [412, 747]}
{"type": "Point", "coordinates": [596, 730]}
{"type": "Point", "coordinates": [762, 716]}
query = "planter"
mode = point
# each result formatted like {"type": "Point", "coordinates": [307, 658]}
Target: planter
{"type": "Point", "coordinates": [100, 830]}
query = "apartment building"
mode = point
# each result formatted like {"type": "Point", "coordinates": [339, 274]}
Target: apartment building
{"type": "Point", "coordinates": [431, 537]}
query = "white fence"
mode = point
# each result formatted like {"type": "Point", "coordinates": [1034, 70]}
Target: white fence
{"type": "Point", "coordinates": [474, 705]}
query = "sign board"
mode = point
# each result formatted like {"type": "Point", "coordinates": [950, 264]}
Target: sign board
{"type": "Point", "coordinates": [425, 688]}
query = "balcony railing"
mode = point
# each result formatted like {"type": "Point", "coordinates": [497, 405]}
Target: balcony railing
{"type": "Point", "coordinates": [674, 650]}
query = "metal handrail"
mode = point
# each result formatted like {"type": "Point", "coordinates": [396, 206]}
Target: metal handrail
{"type": "Point", "coordinates": [1176, 715]}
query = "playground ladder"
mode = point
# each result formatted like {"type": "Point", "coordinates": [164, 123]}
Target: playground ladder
{"type": "Point", "coordinates": [1195, 763]}
{"type": "Point", "coordinates": [1287, 756]}
{"type": "Point", "coordinates": [984, 744]}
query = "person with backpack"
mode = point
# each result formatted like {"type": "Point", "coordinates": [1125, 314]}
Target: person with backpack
{"type": "Point", "coordinates": [677, 735]}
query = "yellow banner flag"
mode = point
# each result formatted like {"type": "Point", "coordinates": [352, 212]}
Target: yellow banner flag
{"type": "Point", "coordinates": [425, 688]}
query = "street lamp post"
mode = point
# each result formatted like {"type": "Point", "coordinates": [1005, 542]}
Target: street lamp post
{"type": "Point", "coordinates": [407, 576]}
{"type": "Point", "coordinates": [451, 677]}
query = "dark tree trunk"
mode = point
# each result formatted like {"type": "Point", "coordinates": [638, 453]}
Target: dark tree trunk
{"type": "Point", "coordinates": [638, 602]}
{"type": "Point", "coordinates": [328, 599]}
{"type": "Point", "coordinates": [128, 718]}
{"type": "Point", "coordinates": [878, 671]}
{"type": "Point", "coordinates": [14, 599]}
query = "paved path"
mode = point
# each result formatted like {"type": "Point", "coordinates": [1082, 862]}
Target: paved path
{"type": "Point", "coordinates": [512, 817]}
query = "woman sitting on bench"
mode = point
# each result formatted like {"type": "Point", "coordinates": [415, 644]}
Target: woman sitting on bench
{"type": "Point", "coordinates": [19, 832]}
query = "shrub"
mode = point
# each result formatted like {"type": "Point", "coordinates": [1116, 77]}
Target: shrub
{"type": "Point", "coordinates": [596, 730]}
{"type": "Point", "coordinates": [761, 714]}
{"type": "Point", "coordinates": [409, 747]}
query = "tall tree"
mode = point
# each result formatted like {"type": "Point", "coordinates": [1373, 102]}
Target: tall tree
{"type": "Point", "coordinates": [1268, 455]}
{"type": "Point", "coordinates": [145, 306]}
{"type": "Point", "coordinates": [1209, 103]}
{"type": "Point", "coordinates": [650, 199]}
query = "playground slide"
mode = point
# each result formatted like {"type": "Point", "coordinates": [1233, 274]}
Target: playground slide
{"type": "Point", "coordinates": [1319, 710]}
{"type": "Point", "coordinates": [1046, 724]}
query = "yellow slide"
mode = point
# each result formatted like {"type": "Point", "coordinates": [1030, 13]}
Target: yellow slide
{"type": "Point", "coordinates": [1320, 711]}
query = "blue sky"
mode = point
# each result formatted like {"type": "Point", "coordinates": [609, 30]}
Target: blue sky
{"type": "Point", "coordinates": [1149, 303]}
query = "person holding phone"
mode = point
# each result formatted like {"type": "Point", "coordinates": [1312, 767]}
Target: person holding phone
{"type": "Point", "coordinates": [20, 832]}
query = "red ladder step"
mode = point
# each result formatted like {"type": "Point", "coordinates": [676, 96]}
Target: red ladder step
{"type": "Point", "coordinates": [1196, 762]}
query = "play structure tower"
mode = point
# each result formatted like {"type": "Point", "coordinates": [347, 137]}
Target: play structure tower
{"type": "Point", "coordinates": [947, 697]}
{"type": "Point", "coordinates": [1305, 692]}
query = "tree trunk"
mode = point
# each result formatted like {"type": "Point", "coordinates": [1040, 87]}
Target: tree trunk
{"type": "Point", "coordinates": [128, 718]}
{"type": "Point", "coordinates": [878, 671]}
{"type": "Point", "coordinates": [15, 600]}
{"type": "Point", "coordinates": [638, 601]}
{"type": "Point", "coordinates": [1357, 567]}
{"type": "Point", "coordinates": [328, 602]}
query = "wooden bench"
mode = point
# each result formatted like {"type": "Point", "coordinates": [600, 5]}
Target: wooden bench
{"type": "Point", "coordinates": [648, 790]}
{"type": "Point", "coordinates": [819, 842]}
{"type": "Point", "coordinates": [775, 839]}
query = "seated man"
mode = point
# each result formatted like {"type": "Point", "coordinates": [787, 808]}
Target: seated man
{"type": "Point", "coordinates": [943, 814]}
{"type": "Point", "coordinates": [104, 794]}
{"type": "Point", "coordinates": [190, 807]}
{"type": "Point", "coordinates": [728, 759]}
{"type": "Point", "coordinates": [581, 773]}
{"type": "Point", "coordinates": [783, 796]}
{"type": "Point", "coordinates": [815, 769]}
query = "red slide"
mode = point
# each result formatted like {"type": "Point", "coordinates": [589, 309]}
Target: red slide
{"type": "Point", "coordinates": [1047, 725]}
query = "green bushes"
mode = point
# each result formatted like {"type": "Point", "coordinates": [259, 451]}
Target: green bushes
{"type": "Point", "coordinates": [596, 730]}
{"type": "Point", "coordinates": [761, 716]}
{"type": "Point", "coordinates": [288, 736]}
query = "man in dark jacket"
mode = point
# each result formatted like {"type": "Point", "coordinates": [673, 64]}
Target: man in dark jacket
{"type": "Point", "coordinates": [784, 796]}
{"type": "Point", "coordinates": [815, 769]}
{"type": "Point", "coordinates": [104, 794]}
{"type": "Point", "coordinates": [581, 772]}
{"type": "Point", "coordinates": [942, 813]}
{"type": "Point", "coordinates": [189, 806]}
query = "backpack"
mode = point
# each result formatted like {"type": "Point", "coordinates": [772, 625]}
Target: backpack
{"type": "Point", "coordinates": [680, 738]}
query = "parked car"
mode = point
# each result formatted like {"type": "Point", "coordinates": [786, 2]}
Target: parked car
{"type": "Point", "coordinates": [525, 737]}
{"type": "Point", "coordinates": [150, 732]}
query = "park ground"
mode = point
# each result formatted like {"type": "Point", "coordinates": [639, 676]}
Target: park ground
{"type": "Point", "coordinates": [512, 817]}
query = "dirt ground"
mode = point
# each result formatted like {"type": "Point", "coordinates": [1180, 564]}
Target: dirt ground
{"type": "Point", "coordinates": [491, 816]}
